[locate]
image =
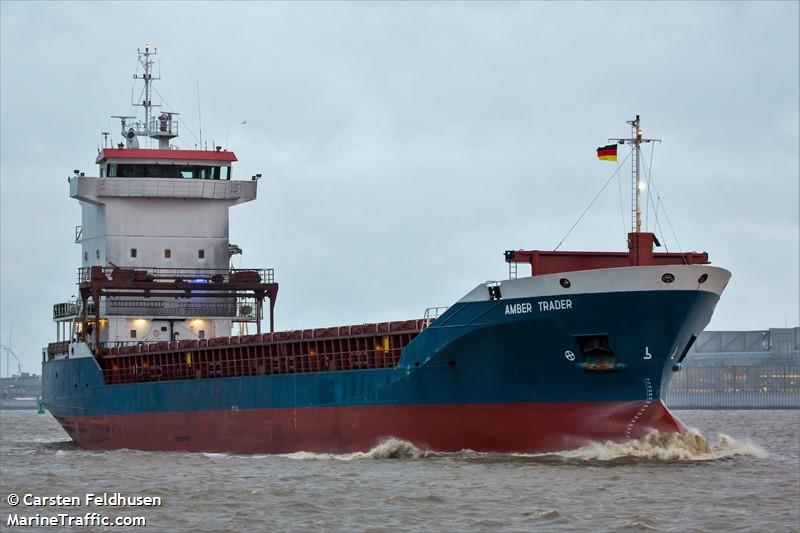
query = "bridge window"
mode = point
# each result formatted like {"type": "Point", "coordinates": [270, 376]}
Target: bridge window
{"type": "Point", "coordinates": [133, 252]}
{"type": "Point", "coordinates": [133, 334]}
{"type": "Point", "coordinates": [166, 171]}
{"type": "Point", "coordinates": [85, 256]}
{"type": "Point", "coordinates": [167, 253]}
{"type": "Point", "coordinates": [97, 254]}
{"type": "Point", "coordinates": [201, 254]}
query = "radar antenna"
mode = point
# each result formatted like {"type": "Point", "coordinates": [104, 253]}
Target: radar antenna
{"type": "Point", "coordinates": [163, 128]}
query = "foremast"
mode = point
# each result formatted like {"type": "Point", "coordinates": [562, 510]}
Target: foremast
{"type": "Point", "coordinates": [635, 140]}
{"type": "Point", "coordinates": [640, 243]}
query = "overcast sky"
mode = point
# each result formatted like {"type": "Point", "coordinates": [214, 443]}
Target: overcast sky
{"type": "Point", "coordinates": [405, 146]}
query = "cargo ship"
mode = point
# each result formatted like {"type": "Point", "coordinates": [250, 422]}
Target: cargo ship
{"type": "Point", "coordinates": [145, 356]}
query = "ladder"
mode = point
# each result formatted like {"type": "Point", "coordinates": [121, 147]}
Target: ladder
{"type": "Point", "coordinates": [512, 270]}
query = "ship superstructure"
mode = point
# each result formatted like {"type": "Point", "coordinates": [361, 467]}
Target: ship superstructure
{"type": "Point", "coordinates": [581, 349]}
{"type": "Point", "coordinates": [155, 226]}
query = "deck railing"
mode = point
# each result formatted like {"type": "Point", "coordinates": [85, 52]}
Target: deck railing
{"type": "Point", "coordinates": [431, 314]}
{"type": "Point", "coordinates": [65, 310]}
{"type": "Point", "coordinates": [197, 276]}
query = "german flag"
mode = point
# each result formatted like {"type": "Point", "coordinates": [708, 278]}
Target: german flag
{"type": "Point", "coordinates": [607, 153]}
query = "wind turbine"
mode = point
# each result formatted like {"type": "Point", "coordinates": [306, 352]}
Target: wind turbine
{"type": "Point", "coordinates": [9, 353]}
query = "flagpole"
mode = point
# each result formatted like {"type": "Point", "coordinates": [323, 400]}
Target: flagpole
{"type": "Point", "coordinates": [637, 134]}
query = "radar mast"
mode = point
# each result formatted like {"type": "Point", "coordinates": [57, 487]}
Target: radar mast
{"type": "Point", "coordinates": [162, 128]}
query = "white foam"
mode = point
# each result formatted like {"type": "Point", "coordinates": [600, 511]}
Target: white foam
{"type": "Point", "coordinates": [690, 446]}
{"type": "Point", "coordinates": [213, 455]}
{"type": "Point", "coordinates": [389, 449]}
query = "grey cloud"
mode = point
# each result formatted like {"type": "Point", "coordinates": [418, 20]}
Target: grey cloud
{"type": "Point", "coordinates": [405, 146]}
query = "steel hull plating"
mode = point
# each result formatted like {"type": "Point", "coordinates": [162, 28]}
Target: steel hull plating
{"type": "Point", "coordinates": [488, 427]}
{"type": "Point", "coordinates": [482, 377]}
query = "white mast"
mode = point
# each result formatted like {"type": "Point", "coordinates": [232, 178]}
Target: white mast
{"type": "Point", "coordinates": [162, 128]}
{"type": "Point", "coordinates": [147, 76]}
{"type": "Point", "coordinates": [636, 185]}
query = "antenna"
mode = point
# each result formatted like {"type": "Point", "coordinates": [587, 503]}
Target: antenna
{"type": "Point", "coordinates": [636, 140]}
{"type": "Point", "coordinates": [163, 128]}
{"type": "Point", "coordinates": [147, 76]}
{"type": "Point", "coordinates": [199, 117]}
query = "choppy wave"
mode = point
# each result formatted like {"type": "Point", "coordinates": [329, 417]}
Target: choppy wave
{"type": "Point", "coordinates": [551, 516]}
{"type": "Point", "coordinates": [690, 446]}
{"type": "Point", "coordinates": [388, 449]}
{"type": "Point", "coordinates": [216, 455]}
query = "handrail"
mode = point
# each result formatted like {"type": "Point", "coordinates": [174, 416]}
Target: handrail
{"type": "Point", "coordinates": [65, 310]}
{"type": "Point", "coordinates": [54, 348]}
{"type": "Point", "coordinates": [192, 275]}
{"type": "Point", "coordinates": [431, 314]}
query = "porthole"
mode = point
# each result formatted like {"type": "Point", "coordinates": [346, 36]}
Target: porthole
{"type": "Point", "coordinates": [702, 278]}
{"type": "Point", "coordinates": [668, 278]}
{"type": "Point", "coordinates": [565, 283]}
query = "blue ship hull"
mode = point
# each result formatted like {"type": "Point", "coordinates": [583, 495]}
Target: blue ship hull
{"type": "Point", "coordinates": [507, 374]}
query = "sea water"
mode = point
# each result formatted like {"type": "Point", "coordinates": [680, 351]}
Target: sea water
{"type": "Point", "coordinates": [736, 470]}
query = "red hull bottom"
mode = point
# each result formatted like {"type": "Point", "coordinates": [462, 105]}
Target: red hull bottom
{"type": "Point", "coordinates": [514, 427]}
